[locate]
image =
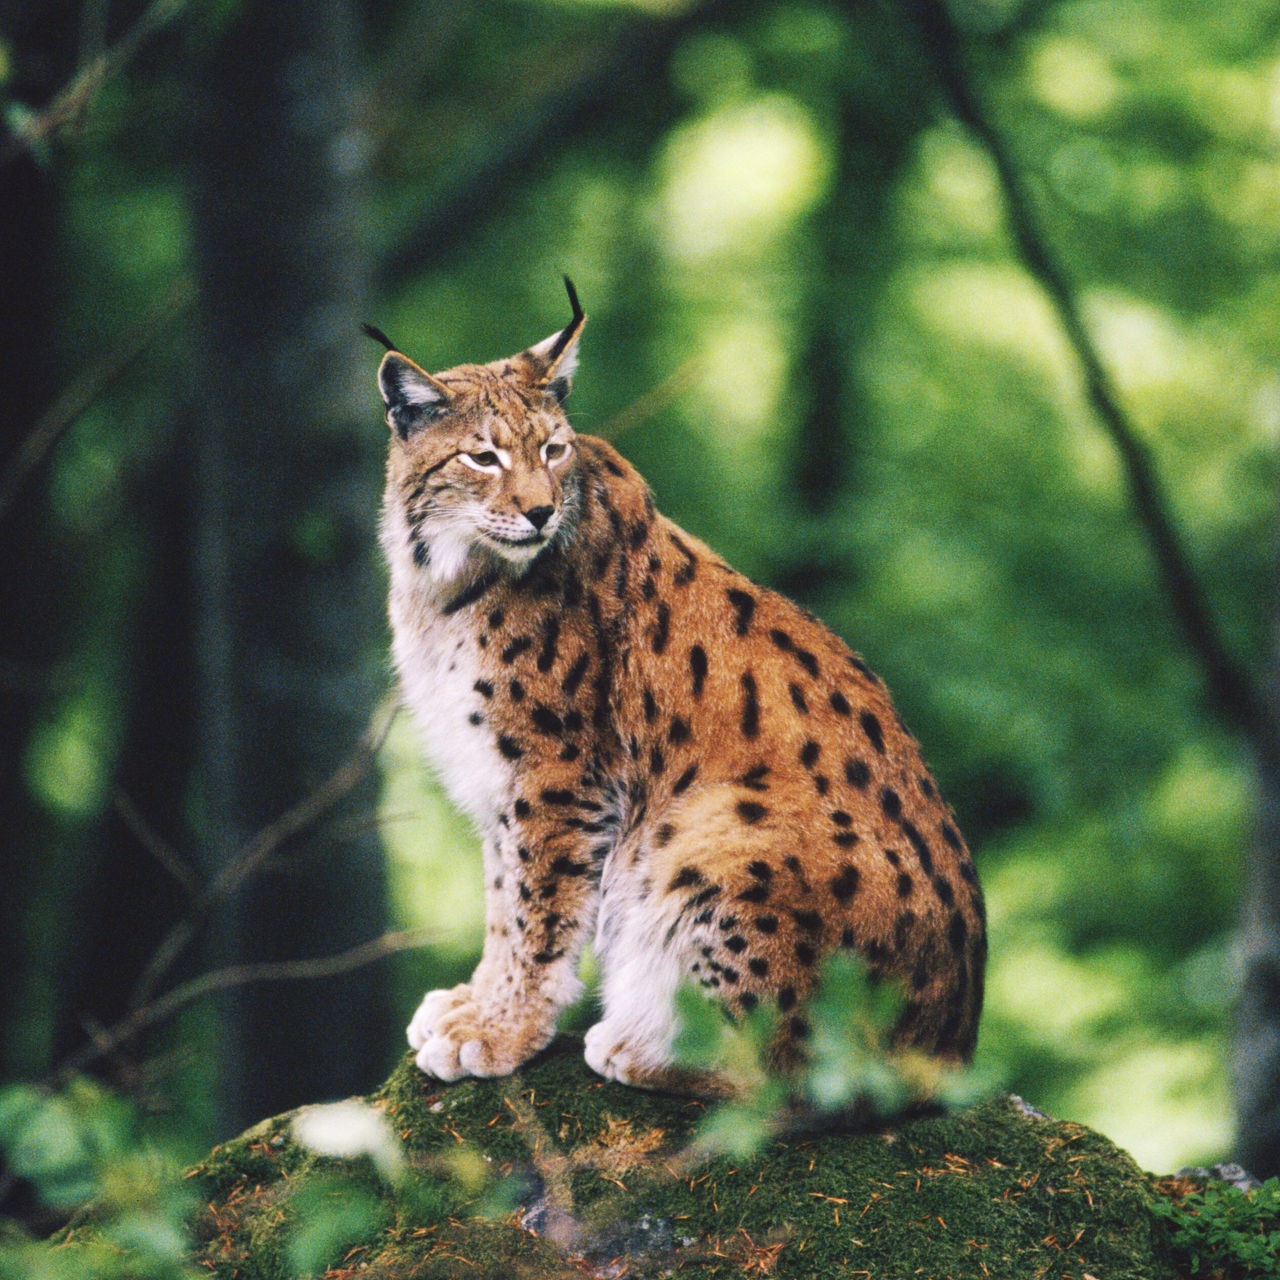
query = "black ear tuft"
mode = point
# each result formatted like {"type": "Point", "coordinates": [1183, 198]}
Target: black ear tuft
{"type": "Point", "coordinates": [377, 335]}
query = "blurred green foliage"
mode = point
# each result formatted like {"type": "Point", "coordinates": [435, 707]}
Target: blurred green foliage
{"type": "Point", "coordinates": [974, 538]}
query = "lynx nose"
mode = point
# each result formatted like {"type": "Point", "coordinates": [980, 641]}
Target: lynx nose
{"type": "Point", "coordinates": [538, 516]}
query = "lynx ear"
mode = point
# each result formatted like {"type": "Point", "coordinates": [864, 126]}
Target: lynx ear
{"type": "Point", "coordinates": [412, 396]}
{"type": "Point", "coordinates": [555, 359]}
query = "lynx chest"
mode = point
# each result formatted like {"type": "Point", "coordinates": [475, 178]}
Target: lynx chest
{"type": "Point", "coordinates": [438, 660]}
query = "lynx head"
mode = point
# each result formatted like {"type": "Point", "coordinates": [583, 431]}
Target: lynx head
{"type": "Point", "coordinates": [482, 467]}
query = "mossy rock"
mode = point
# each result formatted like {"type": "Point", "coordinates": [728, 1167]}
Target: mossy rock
{"type": "Point", "coordinates": [555, 1172]}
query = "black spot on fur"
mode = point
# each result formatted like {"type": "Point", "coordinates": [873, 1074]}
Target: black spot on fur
{"type": "Point", "coordinates": [872, 728]}
{"type": "Point", "coordinates": [661, 628]}
{"type": "Point", "coordinates": [952, 837]}
{"type": "Point", "coordinates": [761, 870]}
{"type": "Point", "coordinates": [650, 706]}
{"type": "Point", "coordinates": [483, 688]}
{"type": "Point", "coordinates": [496, 619]}
{"type": "Point", "coordinates": [679, 731]}
{"type": "Point", "coordinates": [839, 703]}
{"type": "Point", "coordinates": [748, 1000]}
{"type": "Point", "coordinates": [515, 649]}
{"type": "Point", "coordinates": [840, 818]}
{"type": "Point", "coordinates": [687, 571]}
{"type": "Point", "coordinates": [737, 943]}
{"type": "Point", "coordinates": [744, 604]}
{"type": "Point", "coordinates": [808, 920]}
{"type": "Point", "coordinates": [698, 666]}
{"type": "Point", "coordinates": [550, 641]}
{"type": "Point", "coordinates": [685, 877]}
{"type": "Point", "coordinates": [522, 808]}
{"type": "Point", "coordinates": [846, 839]}
{"type": "Point", "coordinates": [798, 699]}
{"type": "Point", "coordinates": [657, 761]}
{"type": "Point", "coordinates": [767, 924]}
{"type": "Point", "coordinates": [754, 778]}
{"type": "Point", "coordinates": [751, 812]}
{"type": "Point", "coordinates": [861, 667]}
{"type": "Point", "coordinates": [573, 677]}
{"type": "Point", "coordinates": [554, 795]}
{"type": "Point", "coordinates": [546, 721]}
{"type": "Point", "coordinates": [891, 803]}
{"type": "Point", "coordinates": [756, 893]}
{"type": "Point", "coordinates": [905, 884]}
{"type": "Point", "coordinates": [807, 661]}
{"type": "Point", "coordinates": [469, 595]}
{"type": "Point", "coordinates": [509, 747]}
{"type": "Point", "coordinates": [920, 845]}
{"type": "Point", "coordinates": [957, 932]}
{"type": "Point", "coordinates": [758, 965]}
{"type": "Point", "coordinates": [809, 754]}
{"type": "Point", "coordinates": [942, 887]}
{"type": "Point", "coordinates": [750, 706]}
{"type": "Point", "coordinates": [685, 780]}
{"type": "Point", "coordinates": [845, 885]}
{"type": "Point", "coordinates": [858, 773]}
{"type": "Point", "coordinates": [662, 837]}
{"type": "Point", "coordinates": [787, 998]}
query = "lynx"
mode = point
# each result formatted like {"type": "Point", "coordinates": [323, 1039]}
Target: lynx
{"type": "Point", "coordinates": [661, 755]}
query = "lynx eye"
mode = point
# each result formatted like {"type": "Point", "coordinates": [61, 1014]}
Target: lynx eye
{"type": "Point", "coordinates": [554, 450]}
{"type": "Point", "coordinates": [481, 460]}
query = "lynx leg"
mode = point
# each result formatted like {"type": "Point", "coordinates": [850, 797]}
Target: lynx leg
{"type": "Point", "coordinates": [641, 969]}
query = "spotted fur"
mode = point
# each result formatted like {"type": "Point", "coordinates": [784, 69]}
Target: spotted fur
{"type": "Point", "coordinates": [659, 753]}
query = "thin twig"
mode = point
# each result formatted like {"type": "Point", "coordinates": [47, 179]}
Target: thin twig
{"type": "Point", "coordinates": [653, 401]}
{"type": "Point", "coordinates": [260, 847]}
{"type": "Point", "coordinates": [155, 844]}
{"type": "Point", "coordinates": [107, 1040]}
{"type": "Point", "coordinates": [58, 419]}
{"type": "Point", "coordinates": [39, 127]}
{"type": "Point", "coordinates": [1232, 688]}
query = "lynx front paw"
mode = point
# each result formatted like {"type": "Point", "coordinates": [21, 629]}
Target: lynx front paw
{"type": "Point", "coordinates": [456, 1034]}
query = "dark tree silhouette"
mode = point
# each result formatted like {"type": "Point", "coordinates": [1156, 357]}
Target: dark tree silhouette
{"type": "Point", "coordinates": [287, 450]}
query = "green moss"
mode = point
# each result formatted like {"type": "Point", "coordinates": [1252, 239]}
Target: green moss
{"type": "Point", "coordinates": [515, 1175]}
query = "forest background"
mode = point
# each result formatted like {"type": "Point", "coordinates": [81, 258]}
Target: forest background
{"type": "Point", "coordinates": [958, 323]}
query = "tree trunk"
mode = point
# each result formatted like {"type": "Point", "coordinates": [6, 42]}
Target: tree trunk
{"type": "Point", "coordinates": [34, 574]}
{"type": "Point", "coordinates": [287, 448]}
{"type": "Point", "coordinates": [1257, 1041]}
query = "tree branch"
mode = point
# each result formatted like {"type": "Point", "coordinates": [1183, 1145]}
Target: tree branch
{"type": "Point", "coordinates": [1232, 689]}
{"type": "Point", "coordinates": [107, 1040]}
{"type": "Point", "coordinates": [627, 63]}
{"type": "Point", "coordinates": [32, 130]}
{"type": "Point", "coordinates": [260, 847]}
{"type": "Point", "coordinates": [58, 419]}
